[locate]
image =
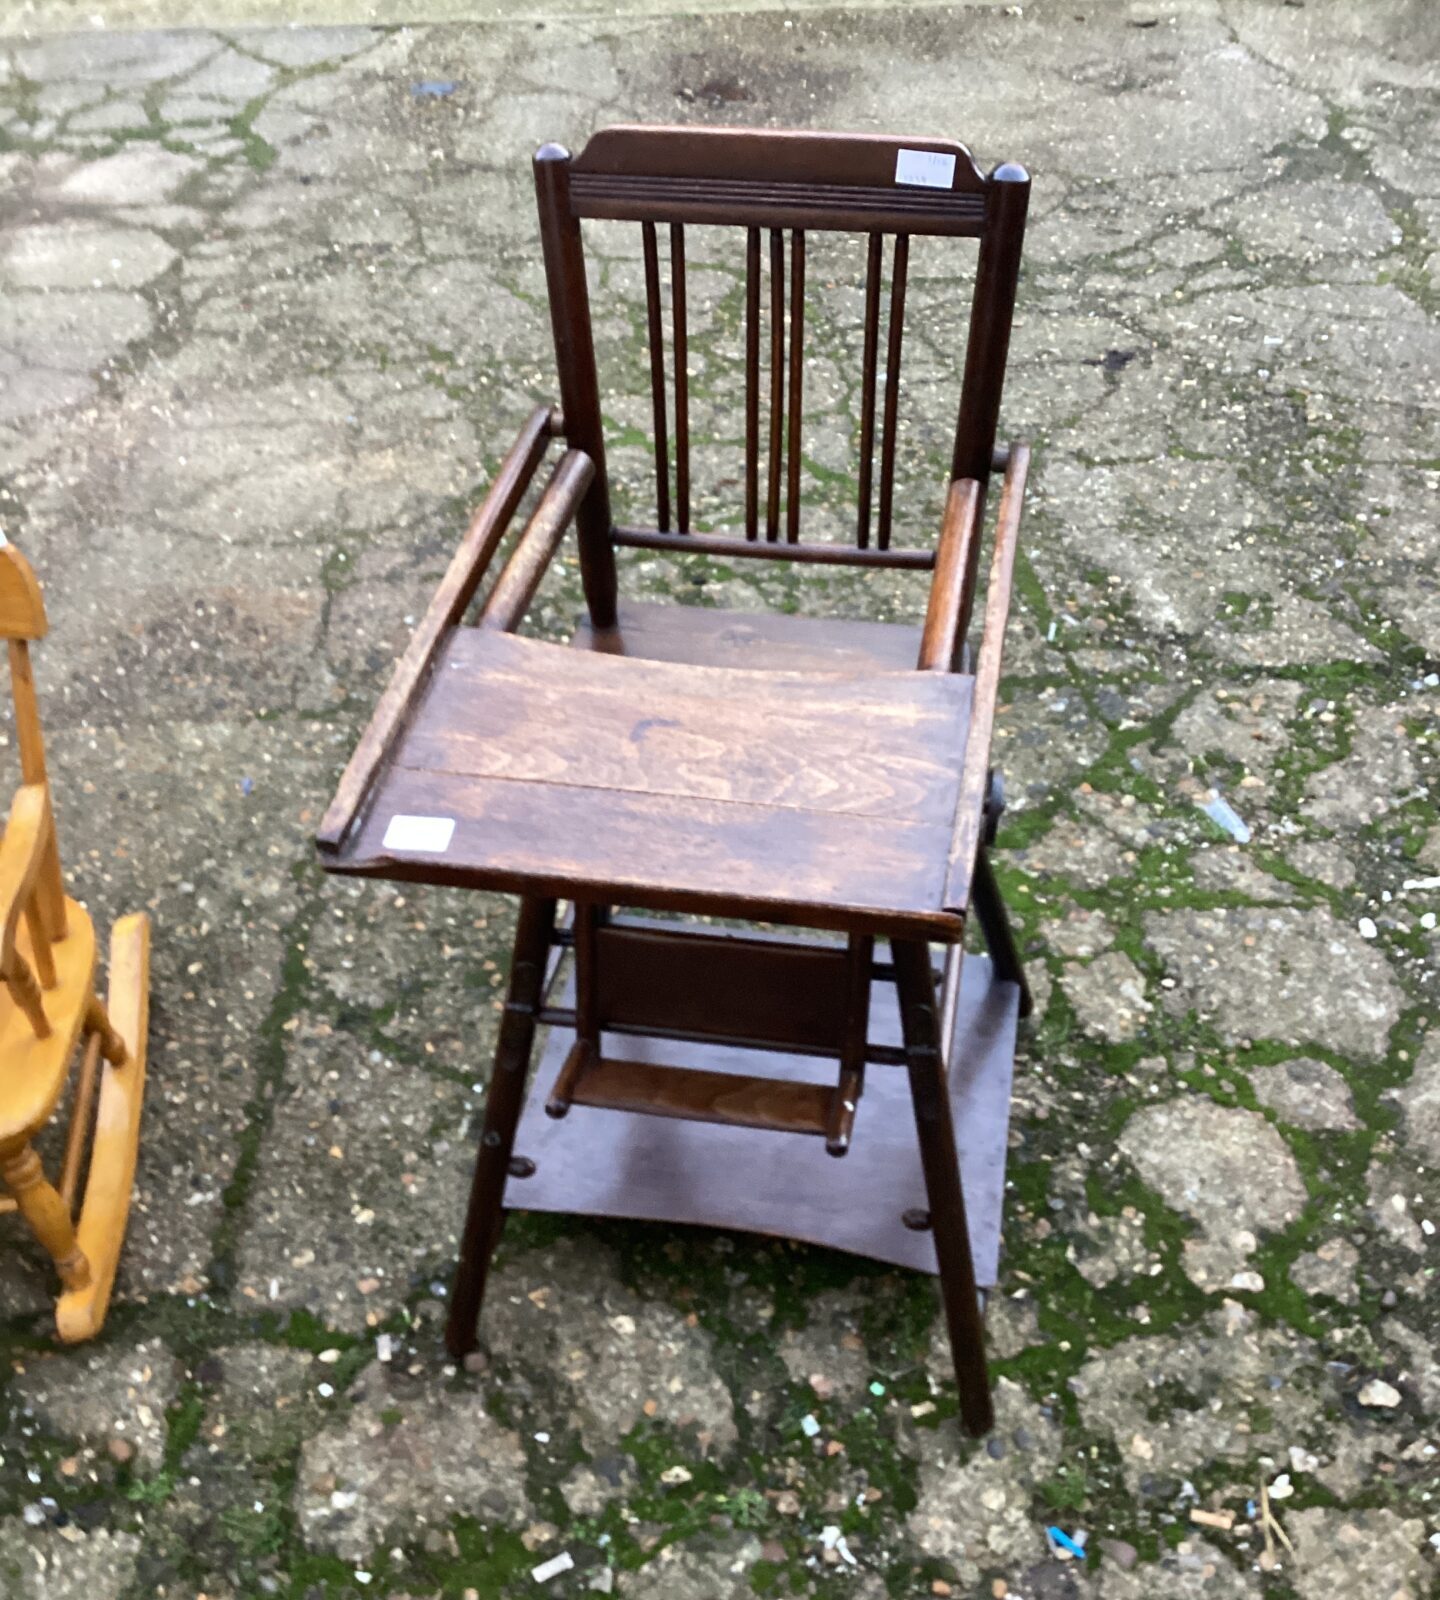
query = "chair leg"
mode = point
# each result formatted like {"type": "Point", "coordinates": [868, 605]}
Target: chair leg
{"type": "Point", "coordinates": [42, 1207]}
{"type": "Point", "coordinates": [995, 926]}
{"type": "Point", "coordinates": [930, 1092]}
{"type": "Point", "coordinates": [502, 1112]}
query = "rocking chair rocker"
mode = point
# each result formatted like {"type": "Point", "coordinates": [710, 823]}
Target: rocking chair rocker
{"type": "Point", "coordinates": [47, 964]}
{"type": "Point", "coordinates": [772, 769]}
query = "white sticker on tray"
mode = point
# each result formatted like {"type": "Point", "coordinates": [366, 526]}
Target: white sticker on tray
{"type": "Point", "coordinates": [423, 836]}
{"type": "Point", "coordinates": [929, 169]}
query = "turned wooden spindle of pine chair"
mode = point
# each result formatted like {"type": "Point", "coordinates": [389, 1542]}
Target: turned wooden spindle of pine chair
{"type": "Point", "coordinates": [825, 775]}
{"type": "Point", "coordinates": [50, 1016]}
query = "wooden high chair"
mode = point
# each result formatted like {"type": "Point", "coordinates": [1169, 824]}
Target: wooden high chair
{"type": "Point", "coordinates": [774, 769]}
{"type": "Point", "coordinates": [49, 1008]}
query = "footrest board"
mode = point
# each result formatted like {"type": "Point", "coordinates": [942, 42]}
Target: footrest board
{"type": "Point", "coordinates": [613, 1163]}
{"type": "Point", "coordinates": [644, 1088]}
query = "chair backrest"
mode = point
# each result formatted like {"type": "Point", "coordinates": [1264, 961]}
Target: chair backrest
{"type": "Point", "coordinates": [36, 889]}
{"type": "Point", "coordinates": [22, 618]}
{"type": "Point", "coordinates": [770, 183]}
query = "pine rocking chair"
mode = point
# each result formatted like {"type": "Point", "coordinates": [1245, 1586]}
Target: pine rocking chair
{"type": "Point", "coordinates": [49, 1007]}
{"type": "Point", "coordinates": [824, 775]}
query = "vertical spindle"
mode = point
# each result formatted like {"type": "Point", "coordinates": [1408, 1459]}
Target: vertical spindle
{"type": "Point", "coordinates": [657, 375]}
{"type": "Point", "coordinates": [777, 381]}
{"type": "Point", "coordinates": [797, 384]}
{"type": "Point", "coordinates": [752, 382]}
{"type": "Point", "coordinates": [894, 337]}
{"type": "Point", "coordinates": [682, 377]}
{"type": "Point", "coordinates": [867, 386]}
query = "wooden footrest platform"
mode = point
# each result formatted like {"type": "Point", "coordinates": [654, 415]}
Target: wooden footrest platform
{"type": "Point", "coordinates": [658, 1089]}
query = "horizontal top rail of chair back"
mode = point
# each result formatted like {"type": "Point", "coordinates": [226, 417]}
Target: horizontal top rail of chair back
{"type": "Point", "coordinates": [791, 179]}
{"type": "Point", "coordinates": [22, 610]}
{"type": "Point", "coordinates": [778, 186]}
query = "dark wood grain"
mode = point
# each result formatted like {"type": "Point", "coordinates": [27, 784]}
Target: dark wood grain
{"type": "Point", "coordinates": [667, 853]}
{"type": "Point", "coordinates": [582, 1057]}
{"type": "Point", "coordinates": [756, 177]}
{"type": "Point", "coordinates": [770, 770]}
{"type": "Point", "coordinates": [894, 345]}
{"type": "Point", "coordinates": [447, 605]}
{"type": "Point", "coordinates": [935, 1132]}
{"type": "Point", "coordinates": [777, 383]}
{"type": "Point", "coordinates": [681, 341]}
{"type": "Point", "coordinates": [752, 383]}
{"type": "Point", "coordinates": [835, 555]}
{"type": "Point", "coordinates": [569, 298]}
{"type": "Point", "coordinates": [855, 1014]}
{"type": "Point", "coordinates": [868, 384]}
{"type": "Point", "coordinates": [975, 775]}
{"type": "Point", "coordinates": [589, 1009]}
{"type": "Point", "coordinates": [506, 604]}
{"type": "Point", "coordinates": [948, 610]}
{"type": "Point", "coordinates": [709, 637]}
{"type": "Point", "coordinates": [529, 712]}
{"type": "Point", "coordinates": [796, 403]}
{"type": "Point", "coordinates": [782, 156]}
{"type": "Point", "coordinates": [613, 1165]}
{"type": "Point", "coordinates": [503, 1101]}
{"type": "Point", "coordinates": [997, 276]}
{"type": "Point", "coordinates": [699, 983]}
{"type": "Point", "coordinates": [994, 920]}
{"type": "Point", "coordinates": [656, 339]}
{"type": "Point", "coordinates": [700, 1096]}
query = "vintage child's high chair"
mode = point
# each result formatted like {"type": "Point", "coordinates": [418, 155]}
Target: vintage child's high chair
{"type": "Point", "coordinates": [774, 769]}
{"type": "Point", "coordinates": [49, 1012]}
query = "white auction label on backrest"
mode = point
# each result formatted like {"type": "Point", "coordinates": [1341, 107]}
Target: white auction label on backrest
{"type": "Point", "coordinates": [930, 169]}
{"type": "Point", "coordinates": [425, 836]}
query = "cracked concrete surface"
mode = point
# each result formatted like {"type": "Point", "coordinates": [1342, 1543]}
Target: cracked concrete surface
{"type": "Point", "coordinates": [271, 312]}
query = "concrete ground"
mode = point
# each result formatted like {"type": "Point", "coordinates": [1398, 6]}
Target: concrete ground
{"type": "Point", "coordinates": [271, 313]}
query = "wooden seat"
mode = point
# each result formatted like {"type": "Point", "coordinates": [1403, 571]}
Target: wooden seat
{"type": "Point", "coordinates": [37, 1068]}
{"type": "Point", "coordinates": [781, 770]}
{"type": "Point", "coordinates": [825, 798]}
{"type": "Point", "coordinates": [765, 641]}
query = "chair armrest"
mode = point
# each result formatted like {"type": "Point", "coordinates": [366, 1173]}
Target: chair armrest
{"type": "Point", "coordinates": [508, 601]}
{"type": "Point", "coordinates": [22, 852]}
{"type": "Point", "coordinates": [457, 589]}
{"type": "Point", "coordinates": [975, 773]}
{"type": "Point", "coordinates": [952, 588]}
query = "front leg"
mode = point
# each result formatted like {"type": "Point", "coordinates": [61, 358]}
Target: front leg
{"type": "Point", "coordinates": [502, 1112]}
{"type": "Point", "coordinates": [935, 1130]}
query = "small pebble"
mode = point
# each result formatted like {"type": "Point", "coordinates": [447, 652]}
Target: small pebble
{"type": "Point", "coordinates": [1121, 1552]}
{"type": "Point", "coordinates": [1379, 1393]}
